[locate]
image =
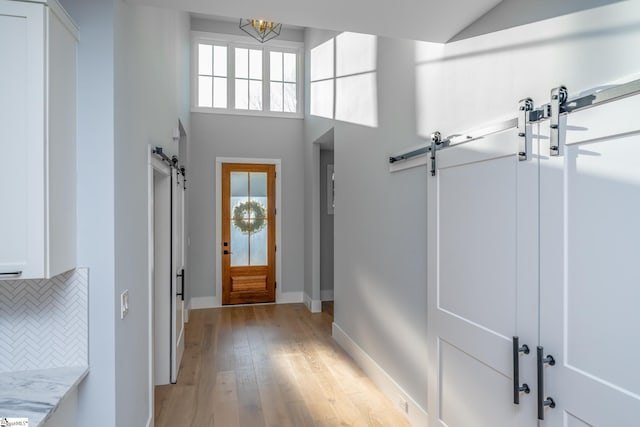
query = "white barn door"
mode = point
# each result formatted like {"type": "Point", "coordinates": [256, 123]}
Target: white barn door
{"type": "Point", "coordinates": [590, 267]}
{"type": "Point", "coordinates": [177, 272]}
{"type": "Point", "coordinates": [483, 282]}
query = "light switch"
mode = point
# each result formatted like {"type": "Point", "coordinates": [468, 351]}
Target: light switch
{"type": "Point", "coordinates": [124, 304]}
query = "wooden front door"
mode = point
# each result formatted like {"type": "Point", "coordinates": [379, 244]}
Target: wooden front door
{"type": "Point", "coordinates": [248, 233]}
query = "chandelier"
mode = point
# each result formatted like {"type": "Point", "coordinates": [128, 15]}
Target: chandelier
{"type": "Point", "coordinates": [260, 29]}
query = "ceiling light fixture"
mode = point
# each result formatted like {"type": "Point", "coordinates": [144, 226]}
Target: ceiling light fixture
{"type": "Point", "coordinates": [261, 30]}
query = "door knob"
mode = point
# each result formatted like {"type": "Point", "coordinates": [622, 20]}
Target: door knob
{"type": "Point", "coordinates": [226, 252]}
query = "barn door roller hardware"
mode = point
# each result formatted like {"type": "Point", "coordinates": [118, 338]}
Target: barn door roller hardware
{"type": "Point", "coordinates": [436, 143]}
{"type": "Point", "coordinates": [526, 105]}
{"type": "Point", "coordinates": [559, 97]}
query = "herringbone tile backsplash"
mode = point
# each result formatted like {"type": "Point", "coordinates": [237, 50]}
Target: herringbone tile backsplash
{"type": "Point", "coordinates": [43, 323]}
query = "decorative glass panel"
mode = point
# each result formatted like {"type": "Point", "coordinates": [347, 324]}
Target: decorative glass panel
{"type": "Point", "coordinates": [255, 95]}
{"type": "Point", "coordinates": [289, 67]}
{"type": "Point", "coordinates": [239, 247]}
{"type": "Point", "coordinates": [205, 93]}
{"type": "Point", "coordinates": [276, 66]}
{"type": "Point", "coordinates": [258, 243]}
{"type": "Point", "coordinates": [290, 98]}
{"type": "Point", "coordinates": [220, 61]}
{"type": "Point", "coordinates": [220, 92]}
{"type": "Point", "coordinates": [205, 59]}
{"type": "Point", "coordinates": [255, 64]}
{"type": "Point", "coordinates": [276, 96]}
{"type": "Point", "coordinates": [242, 94]}
{"type": "Point", "coordinates": [258, 191]}
{"type": "Point", "coordinates": [242, 63]}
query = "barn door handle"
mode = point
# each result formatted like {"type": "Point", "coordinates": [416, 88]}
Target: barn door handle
{"type": "Point", "coordinates": [542, 401]}
{"type": "Point", "coordinates": [517, 388]}
{"type": "Point", "coordinates": [181, 276]}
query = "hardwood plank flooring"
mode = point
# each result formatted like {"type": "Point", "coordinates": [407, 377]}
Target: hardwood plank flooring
{"type": "Point", "coordinates": [269, 366]}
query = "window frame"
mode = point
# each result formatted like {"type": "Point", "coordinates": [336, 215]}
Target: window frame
{"type": "Point", "coordinates": [232, 41]}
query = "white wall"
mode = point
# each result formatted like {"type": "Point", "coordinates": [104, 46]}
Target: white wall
{"type": "Point", "coordinates": [131, 92]}
{"type": "Point", "coordinates": [149, 100]}
{"type": "Point", "coordinates": [95, 19]}
{"type": "Point", "coordinates": [380, 256]}
{"type": "Point", "coordinates": [217, 135]}
{"type": "Point", "coordinates": [326, 227]}
{"type": "Point", "coordinates": [479, 80]}
{"type": "Point", "coordinates": [232, 27]}
{"type": "Point", "coordinates": [380, 228]}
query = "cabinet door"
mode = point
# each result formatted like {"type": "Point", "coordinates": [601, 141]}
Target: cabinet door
{"type": "Point", "coordinates": [590, 280]}
{"type": "Point", "coordinates": [22, 139]}
{"type": "Point", "coordinates": [483, 282]}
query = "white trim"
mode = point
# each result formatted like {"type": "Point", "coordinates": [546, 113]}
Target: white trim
{"type": "Point", "coordinates": [326, 295]}
{"type": "Point", "coordinates": [218, 242]}
{"type": "Point", "coordinates": [290, 298]}
{"type": "Point", "coordinates": [235, 38]}
{"type": "Point", "coordinates": [198, 303]}
{"type": "Point", "coordinates": [231, 41]}
{"type": "Point", "coordinates": [314, 305]}
{"type": "Point", "coordinates": [253, 113]}
{"type": "Point", "coordinates": [416, 415]}
{"type": "Point", "coordinates": [153, 164]}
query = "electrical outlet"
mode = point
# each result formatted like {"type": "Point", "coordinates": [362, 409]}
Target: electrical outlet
{"type": "Point", "coordinates": [403, 404]}
{"type": "Point", "coordinates": [124, 304]}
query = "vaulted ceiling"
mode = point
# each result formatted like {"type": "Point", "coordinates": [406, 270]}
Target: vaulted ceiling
{"type": "Point", "coordinates": [428, 20]}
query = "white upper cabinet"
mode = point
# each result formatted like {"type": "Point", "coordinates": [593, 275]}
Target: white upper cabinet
{"type": "Point", "coordinates": [38, 44]}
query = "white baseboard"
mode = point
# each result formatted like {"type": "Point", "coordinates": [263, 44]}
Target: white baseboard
{"type": "Point", "coordinates": [198, 303]}
{"type": "Point", "coordinates": [314, 305]}
{"type": "Point", "coordinates": [187, 310]}
{"type": "Point", "coordinates": [150, 421]}
{"type": "Point", "coordinates": [326, 295]}
{"type": "Point", "coordinates": [289, 297]}
{"type": "Point", "coordinates": [204, 302]}
{"type": "Point", "coordinates": [415, 414]}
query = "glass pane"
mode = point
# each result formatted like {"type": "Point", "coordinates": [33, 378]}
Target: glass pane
{"type": "Point", "coordinates": [255, 64]}
{"type": "Point", "coordinates": [239, 184]}
{"type": "Point", "coordinates": [220, 61]}
{"type": "Point", "coordinates": [205, 94]}
{"type": "Point", "coordinates": [355, 53]}
{"type": "Point", "coordinates": [255, 95]}
{"type": "Point", "coordinates": [239, 246]}
{"type": "Point", "coordinates": [205, 59]}
{"type": "Point", "coordinates": [220, 92]}
{"type": "Point", "coordinates": [258, 242]}
{"type": "Point", "coordinates": [276, 66]}
{"type": "Point", "coordinates": [322, 99]}
{"type": "Point", "coordinates": [242, 63]}
{"type": "Point", "coordinates": [322, 61]}
{"type": "Point", "coordinates": [242, 94]}
{"type": "Point", "coordinates": [290, 99]}
{"type": "Point", "coordinates": [258, 187]}
{"type": "Point", "coordinates": [289, 67]}
{"type": "Point", "coordinates": [276, 96]}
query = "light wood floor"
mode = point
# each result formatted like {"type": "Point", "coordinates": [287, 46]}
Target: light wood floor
{"type": "Point", "coordinates": [269, 365]}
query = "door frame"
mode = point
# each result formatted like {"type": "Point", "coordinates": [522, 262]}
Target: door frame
{"type": "Point", "coordinates": [153, 165]}
{"type": "Point", "coordinates": [218, 239]}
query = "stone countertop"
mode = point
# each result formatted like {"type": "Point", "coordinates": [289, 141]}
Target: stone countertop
{"type": "Point", "coordinates": [36, 394]}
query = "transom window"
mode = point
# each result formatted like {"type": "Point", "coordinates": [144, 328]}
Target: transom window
{"type": "Point", "coordinates": [235, 76]}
